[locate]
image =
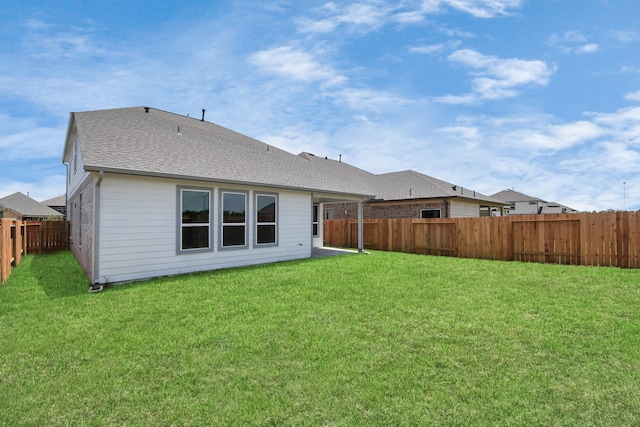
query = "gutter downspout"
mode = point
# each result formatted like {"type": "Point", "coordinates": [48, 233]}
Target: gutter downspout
{"type": "Point", "coordinates": [96, 286]}
{"type": "Point", "coordinates": [66, 203]}
{"type": "Point", "coordinates": [66, 191]}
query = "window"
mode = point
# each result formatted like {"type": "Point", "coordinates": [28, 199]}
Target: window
{"type": "Point", "coordinates": [266, 219]}
{"type": "Point", "coordinates": [328, 213]}
{"type": "Point", "coordinates": [315, 220]}
{"type": "Point", "coordinates": [233, 226]}
{"type": "Point", "coordinates": [430, 213]}
{"type": "Point", "coordinates": [195, 220]}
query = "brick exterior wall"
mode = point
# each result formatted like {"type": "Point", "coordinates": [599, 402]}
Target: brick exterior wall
{"type": "Point", "coordinates": [10, 214]}
{"type": "Point", "coordinates": [391, 209]}
{"type": "Point", "coordinates": [80, 216]}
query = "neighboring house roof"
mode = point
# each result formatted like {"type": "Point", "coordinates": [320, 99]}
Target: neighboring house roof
{"type": "Point", "coordinates": [400, 185]}
{"type": "Point", "coordinates": [27, 207]}
{"type": "Point", "coordinates": [512, 196]}
{"type": "Point", "coordinates": [56, 201]}
{"type": "Point", "coordinates": [414, 185]}
{"type": "Point", "coordinates": [146, 141]}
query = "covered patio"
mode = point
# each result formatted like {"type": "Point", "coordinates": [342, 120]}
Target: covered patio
{"type": "Point", "coordinates": [325, 251]}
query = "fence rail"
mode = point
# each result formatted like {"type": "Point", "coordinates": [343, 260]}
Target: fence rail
{"type": "Point", "coordinates": [17, 238]}
{"type": "Point", "coordinates": [598, 239]}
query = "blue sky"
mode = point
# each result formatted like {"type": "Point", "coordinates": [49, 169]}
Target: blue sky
{"type": "Point", "coordinates": [542, 96]}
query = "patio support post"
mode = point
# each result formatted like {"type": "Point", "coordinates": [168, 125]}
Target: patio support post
{"type": "Point", "coordinates": [360, 226]}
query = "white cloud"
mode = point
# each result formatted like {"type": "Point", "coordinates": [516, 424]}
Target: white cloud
{"type": "Point", "coordinates": [435, 48]}
{"type": "Point", "coordinates": [358, 16]}
{"type": "Point", "coordinates": [620, 156]}
{"type": "Point", "coordinates": [632, 96]}
{"type": "Point", "coordinates": [25, 139]}
{"type": "Point", "coordinates": [36, 24]}
{"type": "Point", "coordinates": [624, 36]}
{"type": "Point", "coordinates": [567, 37]}
{"type": "Point", "coordinates": [455, 32]}
{"type": "Point", "coordinates": [496, 78]}
{"type": "Point", "coordinates": [552, 137]}
{"type": "Point", "coordinates": [482, 8]}
{"type": "Point", "coordinates": [47, 41]}
{"type": "Point", "coordinates": [47, 187]}
{"type": "Point", "coordinates": [621, 117]}
{"type": "Point", "coordinates": [371, 16]}
{"type": "Point", "coordinates": [630, 70]}
{"type": "Point", "coordinates": [574, 133]}
{"type": "Point", "coordinates": [470, 135]}
{"type": "Point", "coordinates": [368, 99]}
{"type": "Point", "coordinates": [296, 139]}
{"type": "Point", "coordinates": [362, 14]}
{"type": "Point", "coordinates": [293, 63]}
{"type": "Point", "coordinates": [623, 124]}
{"type": "Point", "coordinates": [587, 48]}
{"type": "Point", "coordinates": [572, 42]}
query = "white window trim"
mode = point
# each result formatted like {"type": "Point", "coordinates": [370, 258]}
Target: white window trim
{"type": "Point", "coordinates": [315, 219]}
{"type": "Point", "coordinates": [256, 223]}
{"type": "Point", "coordinates": [180, 225]}
{"type": "Point", "coordinates": [222, 224]}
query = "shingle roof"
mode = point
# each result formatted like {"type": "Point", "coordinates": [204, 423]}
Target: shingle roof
{"type": "Point", "coordinates": [26, 206]}
{"type": "Point", "coordinates": [147, 141]}
{"type": "Point", "coordinates": [411, 184]}
{"type": "Point", "coordinates": [511, 196]}
{"type": "Point", "coordinates": [56, 201]}
{"type": "Point", "coordinates": [401, 185]}
{"type": "Point", "coordinates": [159, 143]}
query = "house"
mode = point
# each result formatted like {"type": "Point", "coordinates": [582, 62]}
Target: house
{"type": "Point", "coordinates": [152, 193]}
{"type": "Point", "coordinates": [405, 194]}
{"type": "Point", "coordinates": [57, 204]}
{"type": "Point", "coordinates": [522, 204]}
{"type": "Point", "coordinates": [22, 207]}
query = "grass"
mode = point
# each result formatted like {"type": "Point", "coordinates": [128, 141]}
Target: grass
{"type": "Point", "coordinates": [384, 339]}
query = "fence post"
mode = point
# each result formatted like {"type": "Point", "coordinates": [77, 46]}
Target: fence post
{"type": "Point", "coordinates": [18, 244]}
{"type": "Point", "coordinates": [2, 252]}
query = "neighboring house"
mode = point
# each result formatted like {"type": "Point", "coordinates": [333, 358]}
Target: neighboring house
{"type": "Point", "coordinates": [58, 204]}
{"type": "Point", "coordinates": [522, 204]}
{"type": "Point", "coordinates": [24, 208]}
{"type": "Point", "coordinates": [152, 193]}
{"type": "Point", "coordinates": [405, 194]}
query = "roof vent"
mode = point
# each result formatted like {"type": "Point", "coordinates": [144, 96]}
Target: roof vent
{"type": "Point", "coordinates": [146, 109]}
{"type": "Point", "coordinates": [203, 110]}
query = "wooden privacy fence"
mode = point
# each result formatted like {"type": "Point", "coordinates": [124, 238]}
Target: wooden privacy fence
{"type": "Point", "coordinates": [598, 239]}
{"type": "Point", "coordinates": [11, 246]}
{"type": "Point", "coordinates": [46, 236]}
{"type": "Point", "coordinates": [17, 238]}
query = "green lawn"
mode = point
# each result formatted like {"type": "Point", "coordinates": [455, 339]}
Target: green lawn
{"type": "Point", "coordinates": [382, 339]}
